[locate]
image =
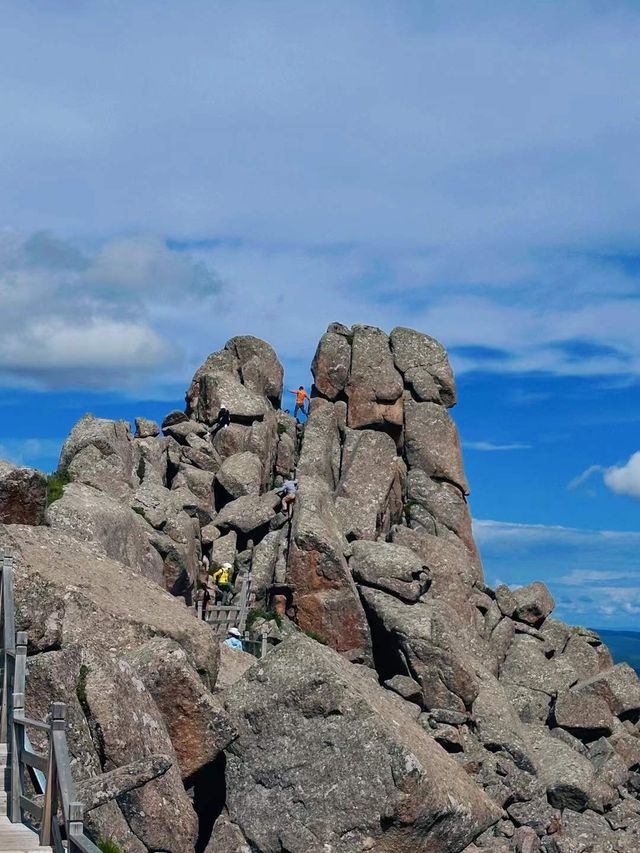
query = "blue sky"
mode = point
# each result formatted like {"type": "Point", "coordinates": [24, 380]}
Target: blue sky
{"type": "Point", "coordinates": [176, 173]}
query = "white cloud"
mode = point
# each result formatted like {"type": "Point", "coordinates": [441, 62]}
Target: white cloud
{"type": "Point", "coordinates": [22, 451]}
{"type": "Point", "coordinates": [90, 319]}
{"type": "Point", "coordinates": [620, 479]}
{"type": "Point", "coordinates": [490, 446]}
{"type": "Point", "coordinates": [625, 479]}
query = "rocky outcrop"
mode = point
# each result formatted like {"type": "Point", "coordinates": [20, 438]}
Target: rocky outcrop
{"type": "Point", "coordinates": [326, 759]}
{"type": "Point", "coordinates": [425, 711]}
{"type": "Point", "coordinates": [23, 494]}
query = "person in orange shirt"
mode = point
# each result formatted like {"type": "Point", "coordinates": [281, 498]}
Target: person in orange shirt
{"type": "Point", "coordinates": [301, 396]}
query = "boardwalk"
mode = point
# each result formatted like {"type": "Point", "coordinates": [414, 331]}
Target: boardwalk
{"type": "Point", "coordinates": [51, 820]}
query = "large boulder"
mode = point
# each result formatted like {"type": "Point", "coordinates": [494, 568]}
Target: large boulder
{"type": "Point", "coordinates": [331, 363]}
{"type": "Point", "coordinates": [321, 451]}
{"type": "Point", "coordinates": [102, 454]}
{"type": "Point", "coordinates": [197, 725]}
{"type": "Point", "coordinates": [619, 687]}
{"type": "Point", "coordinates": [432, 443]}
{"type": "Point", "coordinates": [424, 365]}
{"type": "Point", "coordinates": [120, 533]}
{"type": "Point", "coordinates": [533, 603]}
{"type": "Point", "coordinates": [366, 501]}
{"type": "Point", "coordinates": [248, 513]}
{"type": "Point", "coordinates": [240, 474]}
{"type": "Point", "coordinates": [68, 594]}
{"type": "Point", "coordinates": [391, 568]}
{"type": "Point", "coordinates": [328, 760]}
{"type": "Point", "coordinates": [245, 377]}
{"type": "Point", "coordinates": [374, 388]}
{"type": "Point", "coordinates": [326, 599]}
{"type": "Point", "coordinates": [23, 494]}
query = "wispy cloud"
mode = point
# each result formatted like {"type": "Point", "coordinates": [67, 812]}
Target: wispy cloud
{"type": "Point", "coordinates": [23, 451]}
{"type": "Point", "coordinates": [490, 446]}
{"type": "Point", "coordinates": [620, 479]}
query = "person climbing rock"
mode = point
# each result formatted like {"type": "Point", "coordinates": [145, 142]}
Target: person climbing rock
{"type": "Point", "coordinates": [223, 420]}
{"type": "Point", "coordinates": [221, 580]}
{"type": "Point", "coordinates": [288, 495]}
{"type": "Point", "coordinates": [234, 640]}
{"type": "Point", "coordinates": [301, 398]}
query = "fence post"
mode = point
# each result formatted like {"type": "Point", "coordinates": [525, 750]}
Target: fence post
{"type": "Point", "coordinates": [263, 643]}
{"type": "Point", "coordinates": [75, 826]}
{"type": "Point", "coordinates": [17, 731]}
{"type": "Point", "coordinates": [50, 806]}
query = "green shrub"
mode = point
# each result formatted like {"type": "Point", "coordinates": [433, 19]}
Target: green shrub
{"type": "Point", "coordinates": [407, 509]}
{"type": "Point", "coordinates": [108, 845]}
{"type": "Point", "coordinates": [315, 636]}
{"type": "Point", "coordinates": [259, 613]}
{"type": "Point", "coordinates": [81, 685]}
{"type": "Point", "coordinates": [281, 429]}
{"type": "Point", "coordinates": [55, 485]}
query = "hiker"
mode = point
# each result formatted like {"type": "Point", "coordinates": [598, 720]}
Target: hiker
{"type": "Point", "coordinates": [234, 639]}
{"type": "Point", "coordinates": [301, 396]}
{"type": "Point", "coordinates": [203, 593]}
{"type": "Point", "coordinates": [223, 420]}
{"type": "Point", "coordinates": [221, 580]}
{"type": "Point", "coordinates": [288, 495]}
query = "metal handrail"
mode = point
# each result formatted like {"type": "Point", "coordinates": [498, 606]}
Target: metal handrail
{"type": "Point", "coordinates": [50, 774]}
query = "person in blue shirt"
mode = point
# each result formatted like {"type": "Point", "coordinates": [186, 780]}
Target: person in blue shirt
{"type": "Point", "coordinates": [233, 639]}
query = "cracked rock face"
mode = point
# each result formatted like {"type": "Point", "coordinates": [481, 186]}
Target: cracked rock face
{"type": "Point", "coordinates": [424, 712]}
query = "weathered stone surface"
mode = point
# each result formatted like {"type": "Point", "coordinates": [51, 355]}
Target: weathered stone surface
{"type": "Point", "coordinates": [392, 568]}
{"type": "Point", "coordinates": [583, 656]}
{"type": "Point", "coordinates": [241, 474]}
{"type": "Point", "coordinates": [432, 443]}
{"type": "Point", "coordinates": [146, 428]}
{"type": "Point", "coordinates": [533, 603]}
{"type": "Point", "coordinates": [58, 676]}
{"type": "Point", "coordinates": [498, 727]}
{"type": "Point", "coordinates": [181, 432]}
{"type": "Point", "coordinates": [363, 493]}
{"type": "Point", "coordinates": [583, 715]}
{"type": "Point", "coordinates": [23, 494]}
{"type": "Point", "coordinates": [405, 687]}
{"type": "Point", "coordinates": [451, 568]}
{"type": "Point", "coordinates": [374, 388]}
{"type": "Point", "coordinates": [245, 377]}
{"type": "Point", "coordinates": [264, 562]}
{"type": "Point", "coordinates": [223, 549]}
{"type": "Point", "coordinates": [331, 364]}
{"type": "Point", "coordinates": [444, 502]}
{"type": "Point", "coordinates": [326, 599]}
{"type": "Point", "coordinates": [285, 456]}
{"type": "Point", "coordinates": [67, 594]}
{"type": "Point", "coordinates": [570, 779]}
{"type": "Point", "coordinates": [618, 686]}
{"type": "Point", "coordinates": [433, 642]}
{"type": "Point", "coordinates": [259, 367]}
{"type": "Point", "coordinates": [98, 790]}
{"type": "Point", "coordinates": [197, 725]}
{"type": "Point", "coordinates": [315, 732]}
{"type": "Point", "coordinates": [227, 838]}
{"type": "Point", "coordinates": [118, 531]}
{"type": "Point", "coordinates": [178, 545]}
{"type": "Point", "coordinates": [174, 417]}
{"type": "Point", "coordinates": [538, 814]}
{"type": "Point", "coordinates": [424, 364]}
{"type": "Point", "coordinates": [527, 665]}
{"type": "Point", "coordinates": [248, 513]}
{"type": "Point", "coordinates": [320, 455]}
{"type": "Point", "coordinates": [233, 665]}
{"type": "Point", "coordinates": [101, 453]}
{"type": "Point", "coordinates": [160, 813]}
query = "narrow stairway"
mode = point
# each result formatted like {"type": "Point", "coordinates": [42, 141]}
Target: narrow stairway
{"type": "Point", "coordinates": [14, 837]}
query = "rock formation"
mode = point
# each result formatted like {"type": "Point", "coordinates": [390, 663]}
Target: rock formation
{"type": "Point", "coordinates": [423, 710]}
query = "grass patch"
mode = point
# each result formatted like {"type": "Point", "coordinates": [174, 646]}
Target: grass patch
{"type": "Point", "coordinates": [108, 845]}
{"type": "Point", "coordinates": [259, 613]}
{"type": "Point", "coordinates": [81, 685]}
{"type": "Point", "coordinates": [55, 485]}
{"type": "Point", "coordinates": [281, 429]}
{"type": "Point", "coordinates": [315, 636]}
{"type": "Point", "coordinates": [407, 510]}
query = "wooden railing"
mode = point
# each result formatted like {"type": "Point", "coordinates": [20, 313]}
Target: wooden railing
{"type": "Point", "coordinates": [221, 617]}
{"type": "Point", "coordinates": [57, 813]}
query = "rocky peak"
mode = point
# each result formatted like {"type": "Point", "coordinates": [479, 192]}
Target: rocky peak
{"type": "Point", "coordinates": [446, 715]}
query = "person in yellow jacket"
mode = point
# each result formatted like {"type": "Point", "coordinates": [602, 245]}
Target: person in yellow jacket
{"type": "Point", "coordinates": [221, 582]}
